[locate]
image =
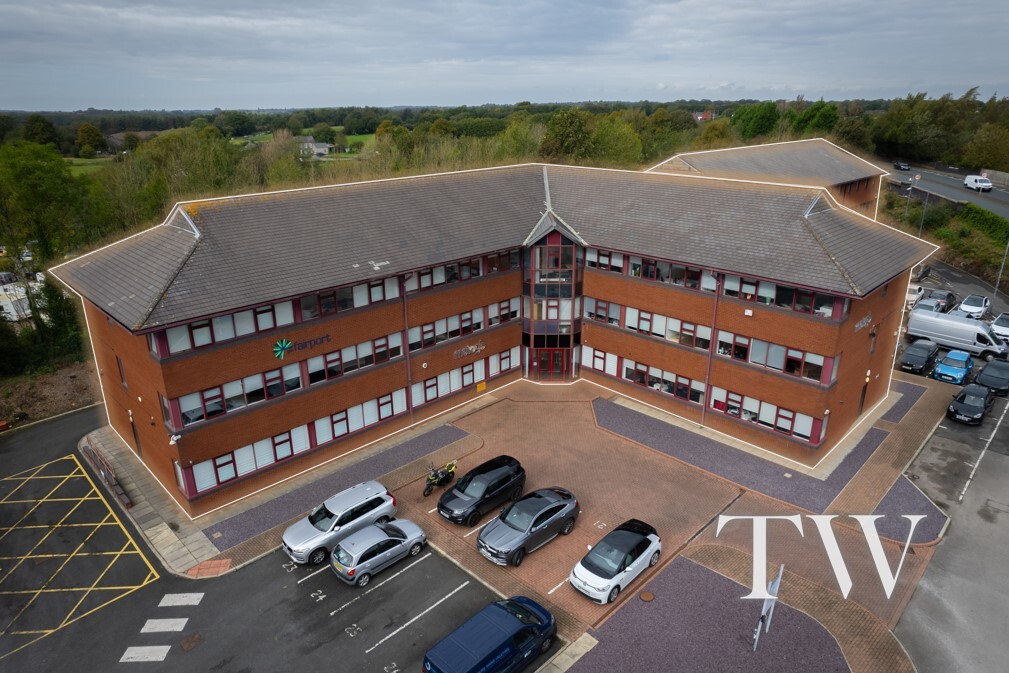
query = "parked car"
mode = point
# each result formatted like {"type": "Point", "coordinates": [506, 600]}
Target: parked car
{"type": "Point", "coordinates": [954, 368]}
{"type": "Point", "coordinates": [504, 637]}
{"type": "Point", "coordinates": [932, 305]}
{"type": "Point", "coordinates": [914, 295]}
{"type": "Point", "coordinates": [977, 183]}
{"type": "Point", "coordinates": [971, 404]}
{"type": "Point", "coordinates": [901, 166]}
{"type": "Point", "coordinates": [527, 524]}
{"type": "Point", "coordinates": [482, 489]}
{"type": "Point", "coordinates": [311, 539]}
{"type": "Point", "coordinates": [362, 554]}
{"type": "Point", "coordinates": [946, 299]}
{"type": "Point", "coordinates": [616, 561]}
{"type": "Point", "coordinates": [1000, 325]}
{"type": "Point", "coordinates": [995, 375]}
{"type": "Point", "coordinates": [919, 357]}
{"type": "Point", "coordinates": [976, 306]}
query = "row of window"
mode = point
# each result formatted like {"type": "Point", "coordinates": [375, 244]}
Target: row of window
{"type": "Point", "coordinates": [671, 329]}
{"type": "Point", "coordinates": [730, 403]}
{"type": "Point", "coordinates": [444, 329]}
{"type": "Point", "coordinates": [200, 333]}
{"type": "Point", "coordinates": [211, 473]}
{"type": "Point", "coordinates": [234, 395]}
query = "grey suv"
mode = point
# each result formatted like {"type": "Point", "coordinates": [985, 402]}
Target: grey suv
{"type": "Point", "coordinates": [527, 524]}
{"type": "Point", "coordinates": [359, 556]}
{"type": "Point", "coordinates": [311, 539]}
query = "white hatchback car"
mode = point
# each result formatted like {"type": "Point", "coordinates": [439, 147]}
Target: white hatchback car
{"type": "Point", "coordinates": [975, 306]}
{"type": "Point", "coordinates": [1000, 325]}
{"type": "Point", "coordinates": [618, 559]}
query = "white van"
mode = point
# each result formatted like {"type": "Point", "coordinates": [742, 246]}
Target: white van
{"type": "Point", "coordinates": [977, 183]}
{"type": "Point", "coordinates": [965, 334]}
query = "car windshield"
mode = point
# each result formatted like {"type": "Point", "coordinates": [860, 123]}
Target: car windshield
{"type": "Point", "coordinates": [520, 612]}
{"type": "Point", "coordinates": [393, 531]}
{"type": "Point", "coordinates": [473, 486]}
{"type": "Point", "coordinates": [919, 350]}
{"type": "Point", "coordinates": [937, 294]}
{"type": "Point", "coordinates": [321, 518]}
{"type": "Point", "coordinates": [520, 514]}
{"type": "Point", "coordinates": [1002, 320]}
{"type": "Point", "coordinates": [995, 338]}
{"type": "Point", "coordinates": [972, 400]}
{"type": "Point", "coordinates": [604, 560]}
{"type": "Point", "coordinates": [973, 300]}
{"type": "Point", "coordinates": [342, 557]}
{"type": "Point", "coordinates": [954, 363]}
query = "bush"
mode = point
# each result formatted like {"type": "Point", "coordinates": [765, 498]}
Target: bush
{"type": "Point", "coordinates": [995, 226]}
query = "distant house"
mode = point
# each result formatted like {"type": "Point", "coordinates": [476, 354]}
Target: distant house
{"type": "Point", "coordinates": [308, 147]}
{"type": "Point", "coordinates": [704, 116]}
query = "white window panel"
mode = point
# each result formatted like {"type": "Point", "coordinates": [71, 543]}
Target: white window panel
{"type": "Point", "coordinates": [360, 295]}
{"type": "Point", "coordinates": [417, 394]}
{"type": "Point", "coordinates": [369, 411]}
{"type": "Point", "coordinates": [659, 325]}
{"type": "Point", "coordinates": [264, 453]}
{"type": "Point", "coordinates": [340, 427]}
{"type": "Point", "coordinates": [201, 336]}
{"type": "Point", "coordinates": [492, 312]}
{"type": "Point", "coordinates": [411, 284]}
{"type": "Point", "coordinates": [444, 388]}
{"type": "Point", "coordinates": [264, 320]}
{"type": "Point", "coordinates": [452, 323]}
{"type": "Point", "coordinates": [441, 326]}
{"type": "Point", "coordinates": [708, 281]}
{"type": "Point", "coordinates": [396, 340]}
{"type": "Point", "coordinates": [399, 401]}
{"type": "Point", "coordinates": [717, 395]}
{"type": "Point", "coordinates": [316, 363]}
{"type": "Point", "coordinates": [515, 303]}
{"type": "Point", "coordinates": [284, 312]}
{"type": "Point", "coordinates": [802, 426]}
{"type": "Point", "coordinates": [349, 353]}
{"type": "Point", "coordinates": [478, 316]}
{"type": "Point", "coordinates": [323, 430]}
{"type": "Point", "coordinates": [178, 339]}
{"type": "Point", "coordinates": [245, 323]}
{"type": "Point", "coordinates": [245, 460]}
{"type": "Point", "coordinates": [226, 470]}
{"type": "Point", "coordinates": [766, 292]}
{"type": "Point", "coordinates": [591, 255]}
{"type": "Point", "coordinates": [364, 349]}
{"type": "Point", "coordinates": [516, 351]}
{"type": "Point", "coordinates": [731, 283]}
{"type": "Point", "coordinates": [611, 364]}
{"type": "Point", "coordinates": [587, 353]}
{"type": "Point", "coordinates": [283, 449]}
{"type": "Point", "coordinates": [439, 275]}
{"type": "Point", "coordinates": [391, 288]}
{"type": "Point", "coordinates": [355, 418]}
{"type": "Point", "coordinates": [495, 364]}
{"type": "Point", "coordinates": [205, 475]}
{"type": "Point", "coordinates": [566, 309]}
{"type": "Point", "coordinates": [224, 328]}
{"type": "Point", "coordinates": [234, 396]}
{"type": "Point", "coordinates": [252, 383]}
{"type": "Point", "coordinates": [588, 306]}
{"type": "Point", "coordinates": [776, 356]}
{"type": "Point", "coordinates": [478, 370]}
{"type": "Point", "coordinates": [703, 332]}
{"type": "Point", "coordinates": [455, 379]}
{"type": "Point", "coordinates": [631, 316]}
{"type": "Point", "coordinates": [813, 358]}
{"type": "Point", "coordinates": [299, 438]}
{"type": "Point", "coordinates": [413, 335]}
{"type": "Point", "coordinates": [617, 260]}
{"type": "Point", "coordinates": [768, 412]}
{"type": "Point", "coordinates": [758, 351]}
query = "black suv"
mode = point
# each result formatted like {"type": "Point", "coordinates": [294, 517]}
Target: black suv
{"type": "Point", "coordinates": [482, 489]}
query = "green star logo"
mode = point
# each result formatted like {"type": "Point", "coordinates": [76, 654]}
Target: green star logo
{"type": "Point", "coordinates": [280, 348]}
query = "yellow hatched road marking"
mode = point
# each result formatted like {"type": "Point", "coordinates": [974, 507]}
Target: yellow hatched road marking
{"type": "Point", "coordinates": [83, 553]}
{"type": "Point", "coordinates": [16, 502]}
{"type": "Point", "coordinates": [67, 525]}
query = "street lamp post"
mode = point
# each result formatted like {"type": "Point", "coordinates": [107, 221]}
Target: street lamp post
{"type": "Point", "coordinates": [921, 222]}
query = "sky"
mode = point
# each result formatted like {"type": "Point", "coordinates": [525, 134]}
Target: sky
{"type": "Point", "coordinates": [206, 54]}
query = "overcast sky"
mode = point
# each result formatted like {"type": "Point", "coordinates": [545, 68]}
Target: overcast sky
{"type": "Point", "coordinates": [188, 54]}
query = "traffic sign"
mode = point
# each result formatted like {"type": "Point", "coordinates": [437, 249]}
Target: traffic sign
{"type": "Point", "coordinates": [984, 175]}
{"type": "Point", "coordinates": [918, 177]}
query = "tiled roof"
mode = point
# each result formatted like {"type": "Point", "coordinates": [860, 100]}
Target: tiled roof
{"type": "Point", "coordinates": [815, 162]}
{"type": "Point", "coordinates": [266, 247]}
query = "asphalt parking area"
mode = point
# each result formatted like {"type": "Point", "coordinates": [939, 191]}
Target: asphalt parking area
{"type": "Point", "coordinates": [388, 625]}
{"type": "Point", "coordinates": [613, 479]}
{"type": "Point", "coordinates": [65, 553]}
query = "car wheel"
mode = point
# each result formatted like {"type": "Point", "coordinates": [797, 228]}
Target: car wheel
{"type": "Point", "coordinates": [363, 580]}
{"type": "Point", "coordinates": [655, 559]}
{"type": "Point", "coordinates": [569, 526]}
{"type": "Point", "coordinates": [516, 493]}
{"type": "Point", "coordinates": [545, 645]}
{"type": "Point", "coordinates": [382, 519]}
{"type": "Point", "coordinates": [318, 556]}
{"type": "Point", "coordinates": [472, 519]}
{"type": "Point", "coordinates": [517, 557]}
{"type": "Point", "coordinates": [415, 549]}
{"type": "Point", "coordinates": [614, 592]}
{"type": "Point", "coordinates": [988, 357]}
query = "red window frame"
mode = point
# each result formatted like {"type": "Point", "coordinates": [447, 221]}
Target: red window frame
{"type": "Point", "coordinates": [505, 359]}
{"type": "Point", "coordinates": [283, 439]}
{"type": "Point", "coordinates": [736, 399]}
{"type": "Point", "coordinates": [380, 349]}
{"type": "Point", "coordinates": [468, 377]}
{"type": "Point", "coordinates": [466, 322]}
{"type": "Point", "coordinates": [385, 408]}
{"type": "Point", "coordinates": [224, 461]}
{"type": "Point", "coordinates": [211, 395]}
{"type": "Point", "coordinates": [788, 417]}
{"type": "Point", "coordinates": [376, 291]}
{"type": "Point", "coordinates": [333, 360]}
{"type": "Point", "coordinates": [644, 322]}
{"type": "Point", "coordinates": [504, 311]}
{"type": "Point", "coordinates": [428, 337]}
{"type": "Point", "coordinates": [552, 309]}
{"type": "Point", "coordinates": [431, 389]}
{"type": "Point", "coordinates": [337, 418]}
{"type": "Point", "coordinates": [599, 360]}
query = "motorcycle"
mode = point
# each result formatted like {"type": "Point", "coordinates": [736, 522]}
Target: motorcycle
{"type": "Point", "coordinates": [439, 476]}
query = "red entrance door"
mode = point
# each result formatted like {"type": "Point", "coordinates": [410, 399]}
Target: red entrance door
{"type": "Point", "coordinates": [551, 364]}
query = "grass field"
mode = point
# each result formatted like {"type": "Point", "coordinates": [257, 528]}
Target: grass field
{"type": "Point", "coordinates": [84, 166]}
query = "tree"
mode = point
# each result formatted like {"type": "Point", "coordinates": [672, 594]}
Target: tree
{"type": "Point", "coordinates": [130, 141]}
{"type": "Point", "coordinates": [234, 123]}
{"type": "Point", "coordinates": [90, 140]}
{"type": "Point", "coordinates": [818, 117]}
{"type": "Point", "coordinates": [567, 136]}
{"type": "Point", "coordinates": [521, 138]}
{"type": "Point", "coordinates": [853, 132]}
{"type": "Point", "coordinates": [6, 126]}
{"type": "Point", "coordinates": [323, 133]}
{"type": "Point", "coordinates": [614, 141]}
{"type": "Point", "coordinates": [38, 129]}
{"type": "Point", "coordinates": [755, 120]}
{"type": "Point", "coordinates": [989, 148]}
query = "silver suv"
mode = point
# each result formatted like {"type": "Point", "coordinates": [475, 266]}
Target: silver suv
{"type": "Point", "coordinates": [311, 539]}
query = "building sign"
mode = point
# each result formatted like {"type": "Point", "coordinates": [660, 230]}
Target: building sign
{"type": "Point", "coordinates": [472, 349]}
{"type": "Point", "coordinates": [863, 323]}
{"type": "Point", "coordinates": [281, 348]}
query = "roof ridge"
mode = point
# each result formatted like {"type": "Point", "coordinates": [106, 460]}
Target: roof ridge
{"type": "Point", "coordinates": [178, 269]}
{"type": "Point", "coordinates": [812, 210]}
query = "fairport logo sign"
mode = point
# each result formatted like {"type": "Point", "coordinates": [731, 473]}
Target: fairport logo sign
{"type": "Point", "coordinates": [821, 522]}
{"type": "Point", "coordinates": [283, 346]}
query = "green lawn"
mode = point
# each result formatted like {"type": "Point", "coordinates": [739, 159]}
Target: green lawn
{"type": "Point", "coordinates": [84, 166]}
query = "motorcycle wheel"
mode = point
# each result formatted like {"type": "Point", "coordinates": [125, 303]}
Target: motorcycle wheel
{"type": "Point", "coordinates": [427, 490]}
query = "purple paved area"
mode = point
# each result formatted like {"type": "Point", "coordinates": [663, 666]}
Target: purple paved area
{"type": "Point", "coordinates": [699, 623]}
{"type": "Point", "coordinates": [904, 498]}
{"type": "Point", "coordinates": [737, 466]}
{"type": "Point", "coordinates": [252, 522]}
{"type": "Point", "coordinates": [910, 394]}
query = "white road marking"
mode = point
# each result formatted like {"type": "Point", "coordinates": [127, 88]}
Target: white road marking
{"type": "Point", "coordinates": [565, 581]}
{"type": "Point", "coordinates": [150, 653]}
{"type": "Point", "coordinates": [170, 600]}
{"type": "Point", "coordinates": [161, 625]}
{"type": "Point", "coordinates": [313, 574]}
{"type": "Point", "coordinates": [477, 530]}
{"type": "Point", "coordinates": [981, 457]}
{"type": "Point", "coordinates": [437, 603]}
{"type": "Point", "coordinates": [389, 579]}
{"type": "Point", "coordinates": [430, 511]}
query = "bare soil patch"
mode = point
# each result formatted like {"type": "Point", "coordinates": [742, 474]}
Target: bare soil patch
{"type": "Point", "coordinates": [33, 397]}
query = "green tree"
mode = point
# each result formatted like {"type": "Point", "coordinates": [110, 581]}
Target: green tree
{"type": "Point", "coordinates": [11, 353]}
{"type": "Point", "coordinates": [235, 123]}
{"type": "Point", "coordinates": [90, 140]}
{"type": "Point", "coordinates": [853, 132]}
{"type": "Point", "coordinates": [567, 136]}
{"type": "Point", "coordinates": [818, 117]}
{"type": "Point", "coordinates": [6, 126]}
{"type": "Point", "coordinates": [755, 120]}
{"type": "Point", "coordinates": [38, 129]}
{"type": "Point", "coordinates": [131, 141]}
{"type": "Point", "coordinates": [323, 133]}
{"type": "Point", "coordinates": [614, 141]}
{"type": "Point", "coordinates": [521, 138]}
{"type": "Point", "coordinates": [989, 148]}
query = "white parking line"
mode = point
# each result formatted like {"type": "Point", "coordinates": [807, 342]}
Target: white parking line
{"type": "Point", "coordinates": [565, 581]}
{"type": "Point", "coordinates": [313, 574]}
{"type": "Point", "coordinates": [431, 511]}
{"type": "Point", "coordinates": [170, 600]}
{"type": "Point", "coordinates": [439, 602]}
{"type": "Point", "coordinates": [981, 457]}
{"type": "Point", "coordinates": [388, 579]}
{"type": "Point", "coordinates": [150, 653]}
{"type": "Point", "coordinates": [477, 530]}
{"type": "Point", "coordinates": [161, 625]}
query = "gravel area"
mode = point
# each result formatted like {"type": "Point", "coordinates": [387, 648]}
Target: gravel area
{"type": "Point", "coordinates": [910, 394]}
{"type": "Point", "coordinates": [905, 498]}
{"type": "Point", "coordinates": [285, 507]}
{"type": "Point", "coordinates": [698, 623]}
{"type": "Point", "coordinates": [737, 466]}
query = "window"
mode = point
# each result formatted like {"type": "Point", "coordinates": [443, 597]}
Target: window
{"type": "Point", "coordinates": [385, 407]}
